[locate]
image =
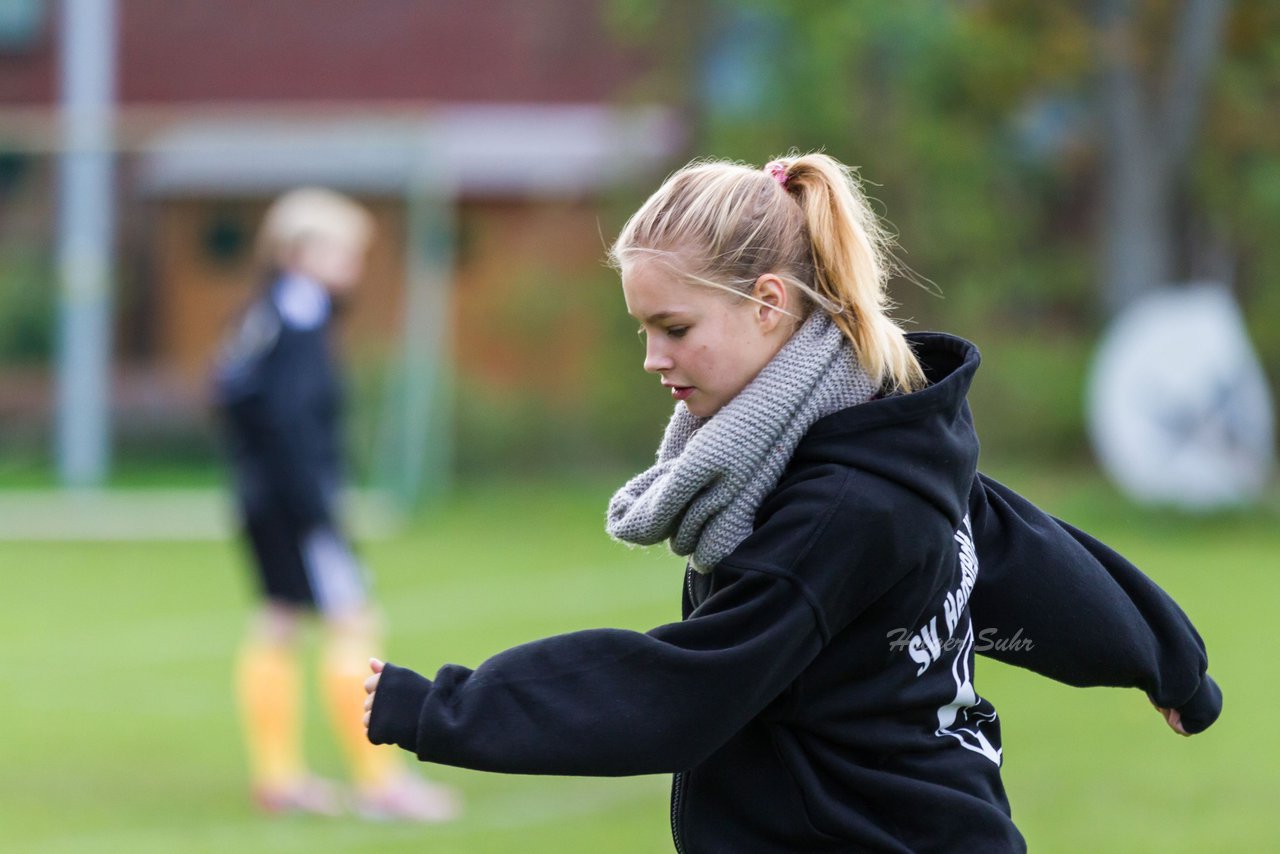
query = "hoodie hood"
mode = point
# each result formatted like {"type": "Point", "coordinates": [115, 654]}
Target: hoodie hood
{"type": "Point", "coordinates": [924, 441]}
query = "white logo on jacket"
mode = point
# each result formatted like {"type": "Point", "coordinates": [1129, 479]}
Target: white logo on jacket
{"type": "Point", "coordinates": [964, 717]}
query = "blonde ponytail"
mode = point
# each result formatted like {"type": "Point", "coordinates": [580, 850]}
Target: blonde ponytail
{"type": "Point", "coordinates": [803, 219]}
{"type": "Point", "coordinates": [851, 265]}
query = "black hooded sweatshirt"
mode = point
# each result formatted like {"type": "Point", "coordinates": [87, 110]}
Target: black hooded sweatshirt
{"type": "Point", "coordinates": [818, 694]}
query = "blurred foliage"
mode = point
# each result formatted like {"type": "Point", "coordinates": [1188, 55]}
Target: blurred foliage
{"type": "Point", "coordinates": [975, 129]}
{"type": "Point", "coordinates": [1237, 175]}
{"type": "Point", "coordinates": [594, 413]}
{"type": "Point", "coordinates": [26, 306]}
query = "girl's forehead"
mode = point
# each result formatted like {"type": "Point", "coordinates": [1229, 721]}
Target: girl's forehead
{"type": "Point", "coordinates": [654, 288]}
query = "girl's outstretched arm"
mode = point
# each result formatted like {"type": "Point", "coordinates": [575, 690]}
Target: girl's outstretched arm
{"type": "Point", "coordinates": [1054, 600]}
{"type": "Point", "coordinates": [607, 702]}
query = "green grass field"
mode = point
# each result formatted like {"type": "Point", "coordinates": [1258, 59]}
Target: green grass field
{"type": "Point", "coordinates": [117, 730]}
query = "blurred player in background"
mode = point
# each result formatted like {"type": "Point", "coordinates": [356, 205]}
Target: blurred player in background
{"type": "Point", "coordinates": [279, 391]}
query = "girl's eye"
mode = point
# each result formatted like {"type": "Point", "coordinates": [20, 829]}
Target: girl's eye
{"type": "Point", "coordinates": [677, 331]}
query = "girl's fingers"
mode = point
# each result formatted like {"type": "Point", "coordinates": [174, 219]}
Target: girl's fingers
{"type": "Point", "coordinates": [371, 684]}
{"type": "Point", "coordinates": [366, 719]}
{"type": "Point", "coordinates": [1174, 719]}
{"type": "Point", "coordinates": [376, 665]}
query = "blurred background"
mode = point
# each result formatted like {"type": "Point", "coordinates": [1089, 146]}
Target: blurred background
{"type": "Point", "coordinates": [1049, 169]}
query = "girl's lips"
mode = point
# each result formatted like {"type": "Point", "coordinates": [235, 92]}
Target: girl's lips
{"type": "Point", "coordinates": [681, 392]}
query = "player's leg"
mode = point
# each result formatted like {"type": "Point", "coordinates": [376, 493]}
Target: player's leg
{"type": "Point", "coordinates": [268, 680]}
{"type": "Point", "coordinates": [353, 632]}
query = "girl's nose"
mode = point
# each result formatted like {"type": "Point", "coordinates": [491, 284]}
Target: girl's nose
{"type": "Point", "coordinates": [655, 359]}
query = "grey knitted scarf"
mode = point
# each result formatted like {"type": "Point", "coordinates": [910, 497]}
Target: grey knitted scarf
{"type": "Point", "coordinates": [712, 473]}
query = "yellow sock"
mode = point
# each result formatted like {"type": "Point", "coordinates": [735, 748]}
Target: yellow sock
{"type": "Point", "coordinates": [344, 668]}
{"type": "Point", "coordinates": [267, 685]}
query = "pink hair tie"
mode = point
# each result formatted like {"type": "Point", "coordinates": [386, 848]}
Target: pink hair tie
{"type": "Point", "coordinates": [778, 171]}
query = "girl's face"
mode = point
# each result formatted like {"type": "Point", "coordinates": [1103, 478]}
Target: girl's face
{"type": "Point", "coordinates": [705, 344]}
{"type": "Point", "coordinates": [338, 264]}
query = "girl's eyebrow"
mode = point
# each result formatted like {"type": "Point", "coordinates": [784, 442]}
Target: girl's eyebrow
{"type": "Point", "coordinates": [662, 315]}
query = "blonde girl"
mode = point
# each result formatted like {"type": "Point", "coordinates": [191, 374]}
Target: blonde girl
{"type": "Point", "coordinates": [819, 476]}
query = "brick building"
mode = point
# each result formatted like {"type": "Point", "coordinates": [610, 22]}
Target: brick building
{"type": "Point", "coordinates": [522, 116]}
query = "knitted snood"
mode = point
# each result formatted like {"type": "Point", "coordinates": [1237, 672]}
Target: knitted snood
{"type": "Point", "coordinates": [712, 473]}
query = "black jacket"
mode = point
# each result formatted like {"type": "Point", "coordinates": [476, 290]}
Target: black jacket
{"type": "Point", "coordinates": [278, 389]}
{"type": "Point", "coordinates": [818, 694]}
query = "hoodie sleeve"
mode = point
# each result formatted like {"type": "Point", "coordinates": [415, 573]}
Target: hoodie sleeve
{"type": "Point", "coordinates": [611, 702]}
{"type": "Point", "coordinates": [1085, 615]}
{"type": "Point", "coordinates": [608, 702]}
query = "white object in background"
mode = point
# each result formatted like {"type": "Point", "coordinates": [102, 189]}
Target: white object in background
{"type": "Point", "coordinates": [1179, 409]}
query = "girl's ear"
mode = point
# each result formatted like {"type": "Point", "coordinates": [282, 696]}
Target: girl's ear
{"type": "Point", "coordinates": [771, 301]}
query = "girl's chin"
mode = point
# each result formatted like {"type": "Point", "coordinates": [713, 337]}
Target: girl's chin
{"type": "Point", "coordinates": [701, 408]}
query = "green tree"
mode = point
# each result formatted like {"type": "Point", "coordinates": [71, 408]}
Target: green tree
{"type": "Point", "coordinates": [1041, 162]}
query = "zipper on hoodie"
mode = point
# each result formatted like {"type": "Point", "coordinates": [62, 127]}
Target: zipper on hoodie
{"type": "Point", "coordinates": [677, 801]}
{"type": "Point", "coordinates": [681, 779]}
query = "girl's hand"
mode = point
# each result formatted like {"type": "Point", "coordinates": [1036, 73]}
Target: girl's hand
{"type": "Point", "coordinates": [371, 686]}
{"type": "Point", "coordinates": [1171, 717]}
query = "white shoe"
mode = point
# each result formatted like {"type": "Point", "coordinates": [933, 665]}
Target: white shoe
{"type": "Point", "coordinates": [309, 794]}
{"type": "Point", "coordinates": [408, 798]}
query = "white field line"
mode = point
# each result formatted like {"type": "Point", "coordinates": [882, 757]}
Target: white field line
{"type": "Point", "coordinates": [151, 514]}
